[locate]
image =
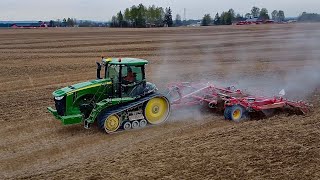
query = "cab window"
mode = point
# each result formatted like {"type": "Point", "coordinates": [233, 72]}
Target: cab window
{"type": "Point", "coordinates": [113, 72]}
{"type": "Point", "coordinates": [132, 73]}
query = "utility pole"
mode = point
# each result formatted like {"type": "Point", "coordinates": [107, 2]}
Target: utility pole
{"type": "Point", "coordinates": [184, 14]}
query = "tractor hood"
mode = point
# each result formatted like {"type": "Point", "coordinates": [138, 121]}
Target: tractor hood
{"type": "Point", "coordinates": [80, 86]}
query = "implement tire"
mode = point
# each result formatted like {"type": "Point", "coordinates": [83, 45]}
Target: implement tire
{"type": "Point", "coordinates": [234, 113]}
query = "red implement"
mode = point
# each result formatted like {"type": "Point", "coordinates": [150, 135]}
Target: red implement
{"type": "Point", "coordinates": [235, 103]}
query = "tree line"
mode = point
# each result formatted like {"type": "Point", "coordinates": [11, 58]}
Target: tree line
{"type": "Point", "coordinates": [309, 17]}
{"type": "Point", "coordinates": [66, 22]}
{"type": "Point", "coordinates": [72, 22]}
{"type": "Point", "coordinates": [142, 16]}
{"type": "Point", "coordinates": [228, 17]}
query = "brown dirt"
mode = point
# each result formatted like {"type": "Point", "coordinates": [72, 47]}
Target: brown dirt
{"type": "Point", "coordinates": [33, 63]}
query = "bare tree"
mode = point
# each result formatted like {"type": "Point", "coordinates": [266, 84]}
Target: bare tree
{"type": "Point", "coordinates": [274, 15]}
{"type": "Point", "coordinates": [281, 16]}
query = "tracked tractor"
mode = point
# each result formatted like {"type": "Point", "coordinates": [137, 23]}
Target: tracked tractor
{"type": "Point", "coordinates": [119, 98]}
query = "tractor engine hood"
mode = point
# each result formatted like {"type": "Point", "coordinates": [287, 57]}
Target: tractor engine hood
{"type": "Point", "coordinates": [80, 86]}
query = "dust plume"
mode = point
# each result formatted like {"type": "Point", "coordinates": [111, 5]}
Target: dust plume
{"type": "Point", "coordinates": [263, 67]}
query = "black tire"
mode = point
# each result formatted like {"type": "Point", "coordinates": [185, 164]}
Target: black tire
{"type": "Point", "coordinates": [234, 113]}
{"type": "Point", "coordinates": [226, 113]}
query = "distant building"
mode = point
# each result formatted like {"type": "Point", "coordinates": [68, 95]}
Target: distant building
{"type": "Point", "coordinates": [29, 24]}
{"type": "Point", "coordinates": [5, 25]}
{"type": "Point", "coordinates": [292, 21]}
{"type": "Point", "coordinates": [197, 24]}
{"type": "Point", "coordinates": [269, 21]}
{"type": "Point", "coordinates": [254, 21]}
{"type": "Point", "coordinates": [23, 24]}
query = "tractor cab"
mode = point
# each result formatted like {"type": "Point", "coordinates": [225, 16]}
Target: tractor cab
{"type": "Point", "coordinates": [126, 74]}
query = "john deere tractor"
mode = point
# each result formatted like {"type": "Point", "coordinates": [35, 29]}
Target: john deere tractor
{"type": "Point", "coordinates": [119, 98]}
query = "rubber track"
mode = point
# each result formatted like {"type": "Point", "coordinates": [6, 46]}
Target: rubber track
{"type": "Point", "coordinates": [119, 108]}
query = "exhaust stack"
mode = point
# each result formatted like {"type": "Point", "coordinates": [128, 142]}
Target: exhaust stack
{"type": "Point", "coordinates": [98, 70]}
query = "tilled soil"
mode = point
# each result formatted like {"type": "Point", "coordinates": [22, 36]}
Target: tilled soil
{"type": "Point", "coordinates": [191, 144]}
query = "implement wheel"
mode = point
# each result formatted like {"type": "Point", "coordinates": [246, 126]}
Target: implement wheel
{"type": "Point", "coordinates": [157, 110]}
{"type": "Point", "coordinates": [109, 123]}
{"type": "Point", "coordinates": [234, 113]}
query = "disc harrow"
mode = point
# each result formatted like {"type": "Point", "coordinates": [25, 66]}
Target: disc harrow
{"type": "Point", "coordinates": [235, 103]}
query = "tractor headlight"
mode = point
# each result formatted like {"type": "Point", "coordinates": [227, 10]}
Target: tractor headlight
{"type": "Point", "coordinates": [58, 98]}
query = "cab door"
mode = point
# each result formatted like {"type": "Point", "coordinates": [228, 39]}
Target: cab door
{"type": "Point", "coordinates": [133, 81]}
{"type": "Point", "coordinates": [113, 73]}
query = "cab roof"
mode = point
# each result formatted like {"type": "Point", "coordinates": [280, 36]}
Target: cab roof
{"type": "Point", "coordinates": [126, 61]}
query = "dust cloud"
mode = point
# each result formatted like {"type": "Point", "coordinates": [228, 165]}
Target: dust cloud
{"type": "Point", "coordinates": [259, 67]}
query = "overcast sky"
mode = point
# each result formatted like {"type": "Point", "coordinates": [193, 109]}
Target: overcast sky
{"type": "Point", "coordinates": [102, 10]}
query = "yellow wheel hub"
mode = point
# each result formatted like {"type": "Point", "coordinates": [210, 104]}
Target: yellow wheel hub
{"type": "Point", "coordinates": [112, 123]}
{"type": "Point", "coordinates": [157, 110]}
{"type": "Point", "coordinates": [236, 114]}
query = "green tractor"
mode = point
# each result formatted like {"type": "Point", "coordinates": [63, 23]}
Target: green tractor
{"type": "Point", "coordinates": [121, 99]}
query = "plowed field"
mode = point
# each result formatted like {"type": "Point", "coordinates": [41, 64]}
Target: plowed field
{"type": "Point", "coordinates": [191, 144]}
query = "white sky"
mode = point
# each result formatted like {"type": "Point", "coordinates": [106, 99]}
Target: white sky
{"type": "Point", "coordinates": [102, 10]}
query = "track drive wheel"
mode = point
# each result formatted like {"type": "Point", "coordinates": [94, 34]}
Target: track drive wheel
{"type": "Point", "coordinates": [110, 123]}
{"type": "Point", "coordinates": [157, 110]}
{"type": "Point", "coordinates": [234, 113]}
